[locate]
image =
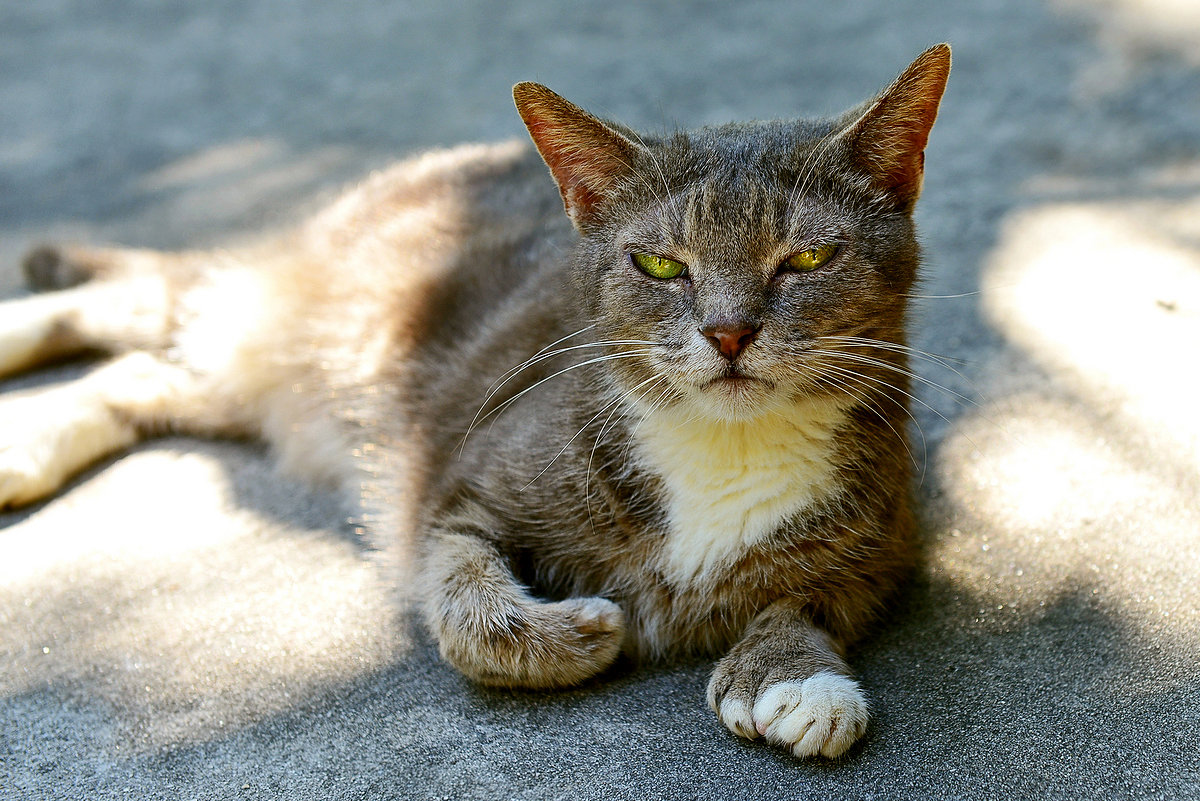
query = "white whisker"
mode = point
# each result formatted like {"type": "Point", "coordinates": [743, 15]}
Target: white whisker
{"type": "Point", "coordinates": [940, 361]}
{"type": "Point", "coordinates": [862, 378]}
{"type": "Point", "coordinates": [943, 297]}
{"type": "Point", "coordinates": [545, 354]}
{"type": "Point", "coordinates": [603, 409]}
{"type": "Point", "coordinates": [933, 358]}
{"type": "Point", "coordinates": [844, 385]}
{"type": "Point", "coordinates": [879, 381]}
{"type": "Point", "coordinates": [587, 480]}
{"type": "Point", "coordinates": [501, 407]}
{"type": "Point", "coordinates": [538, 357]}
{"type": "Point", "coordinates": [553, 344]}
{"type": "Point", "coordinates": [658, 166]}
{"type": "Point", "coordinates": [808, 169]}
{"type": "Point", "coordinates": [867, 360]}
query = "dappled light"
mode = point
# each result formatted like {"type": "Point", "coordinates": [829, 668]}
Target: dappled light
{"type": "Point", "coordinates": [1111, 306]}
{"type": "Point", "coordinates": [1050, 501]}
{"type": "Point", "coordinates": [1080, 470]}
{"type": "Point", "coordinates": [183, 604]}
{"type": "Point", "coordinates": [1155, 24]}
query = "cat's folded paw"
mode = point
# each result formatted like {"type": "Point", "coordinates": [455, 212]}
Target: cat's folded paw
{"type": "Point", "coordinates": [26, 452]}
{"type": "Point", "coordinates": [46, 437]}
{"type": "Point", "coordinates": [597, 621]}
{"type": "Point", "coordinates": [823, 715]}
{"type": "Point", "coordinates": [543, 646]}
{"type": "Point", "coordinates": [573, 640]}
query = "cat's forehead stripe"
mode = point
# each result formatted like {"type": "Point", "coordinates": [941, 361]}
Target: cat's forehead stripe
{"type": "Point", "coordinates": [736, 205]}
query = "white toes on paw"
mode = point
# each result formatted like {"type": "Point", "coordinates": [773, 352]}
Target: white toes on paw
{"type": "Point", "coordinates": [823, 715]}
{"type": "Point", "coordinates": [28, 445]}
{"type": "Point", "coordinates": [737, 717]}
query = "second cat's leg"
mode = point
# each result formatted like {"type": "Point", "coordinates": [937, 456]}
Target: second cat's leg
{"type": "Point", "coordinates": [490, 627]}
{"type": "Point", "coordinates": [787, 681]}
{"type": "Point", "coordinates": [48, 435]}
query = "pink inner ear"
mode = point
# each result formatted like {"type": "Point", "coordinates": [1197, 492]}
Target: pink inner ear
{"type": "Point", "coordinates": [568, 162]}
{"type": "Point", "coordinates": [893, 148]}
{"type": "Point", "coordinates": [583, 164]}
{"type": "Point", "coordinates": [890, 138]}
{"type": "Point", "coordinates": [584, 155]}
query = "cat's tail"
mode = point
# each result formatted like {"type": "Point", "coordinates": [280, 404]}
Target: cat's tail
{"type": "Point", "coordinates": [50, 267]}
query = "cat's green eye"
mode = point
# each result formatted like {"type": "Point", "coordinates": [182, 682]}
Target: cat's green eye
{"type": "Point", "coordinates": [808, 260]}
{"type": "Point", "coordinates": [658, 266]}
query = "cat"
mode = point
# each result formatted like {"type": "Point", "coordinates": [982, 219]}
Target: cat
{"type": "Point", "coordinates": [669, 422]}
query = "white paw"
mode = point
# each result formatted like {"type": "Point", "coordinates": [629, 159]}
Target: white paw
{"type": "Point", "coordinates": [22, 479]}
{"type": "Point", "coordinates": [823, 715]}
{"type": "Point", "coordinates": [27, 450]}
{"type": "Point", "coordinates": [23, 328]}
{"type": "Point", "coordinates": [47, 436]}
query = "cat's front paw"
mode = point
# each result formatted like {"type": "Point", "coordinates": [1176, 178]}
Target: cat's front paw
{"type": "Point", "coordinates": [28, 445]}
{"type": "Point", "coordinates": [823, 715]}
{"type": "Point", "coordinates": [541, 646]}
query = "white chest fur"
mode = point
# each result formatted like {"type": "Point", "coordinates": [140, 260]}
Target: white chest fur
{"type": "Point", "coordinates": [730, 484]}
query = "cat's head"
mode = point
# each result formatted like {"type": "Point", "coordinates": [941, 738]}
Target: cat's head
{"type": "Point", "coordinates": [743, 255]}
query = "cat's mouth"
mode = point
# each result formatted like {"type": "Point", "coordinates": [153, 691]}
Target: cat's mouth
{"type": "Point", "coordinates": [735, 395]}
{"type": "Point", "coordinates": [736, 379]}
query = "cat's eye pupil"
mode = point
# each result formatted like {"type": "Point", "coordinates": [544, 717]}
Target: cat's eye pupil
{"type": "Point", "coordinates": [809, 260]}
{"type": "Point", "coordinates": [657, 266]}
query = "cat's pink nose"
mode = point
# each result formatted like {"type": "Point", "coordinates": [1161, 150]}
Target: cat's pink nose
{"type": "Point", "coordinates": [731, 340]}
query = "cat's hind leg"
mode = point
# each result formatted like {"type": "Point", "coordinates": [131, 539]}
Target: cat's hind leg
{"type": "Point", "coordinates": [491, 629]}
{"type": "Point", "coordinates": [128, 307]}
{"type": "Point", "coordinates": [48, 435]}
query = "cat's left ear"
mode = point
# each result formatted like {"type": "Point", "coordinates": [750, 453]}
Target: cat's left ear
{"type": "Point", "coordinates": [887, 142]}
{"type": "Point", "coordinates": [587, 157]}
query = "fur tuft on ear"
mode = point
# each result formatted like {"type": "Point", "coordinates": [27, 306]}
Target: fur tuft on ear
{"type": "Point", "coordinates": [585, 156]}
{"type": "Point", "coordinates": [888, 141]}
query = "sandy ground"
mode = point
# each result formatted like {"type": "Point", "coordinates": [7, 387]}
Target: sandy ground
{"type": "Point", "coordinates": [184, 623]}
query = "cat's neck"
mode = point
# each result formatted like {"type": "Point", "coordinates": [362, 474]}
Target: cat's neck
{"type": "Point", "coordinates": [731, 484]}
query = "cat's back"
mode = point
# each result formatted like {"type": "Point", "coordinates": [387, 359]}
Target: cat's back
{"type": "Point", "coordinates": [435, 274]}
{"type": "Point", "coordinates": [474, 212]}
{"type": "Point", "coordinates": [426, 255]}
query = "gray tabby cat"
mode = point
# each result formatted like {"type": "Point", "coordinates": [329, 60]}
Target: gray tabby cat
{"type": "Point", "coordinates": [671, 422]}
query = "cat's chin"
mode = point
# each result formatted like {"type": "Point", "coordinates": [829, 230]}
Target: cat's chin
{"type": "Point", "coordinates": [735, 399]}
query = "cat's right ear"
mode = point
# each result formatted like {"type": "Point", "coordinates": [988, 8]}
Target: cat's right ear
{"type": "Point", "coordinates": [587, 157]}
